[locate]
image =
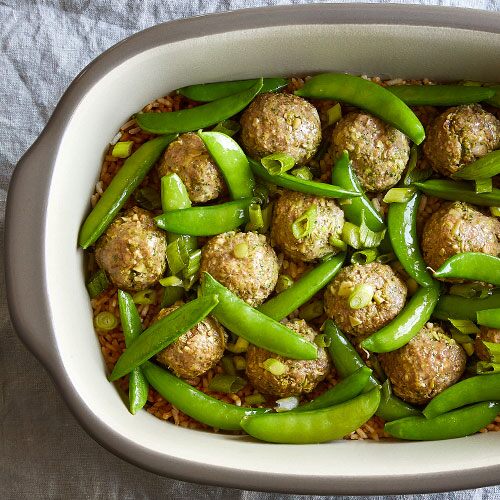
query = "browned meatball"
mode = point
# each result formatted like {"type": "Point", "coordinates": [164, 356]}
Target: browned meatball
{"type": "Point", "coordinates": [488, 335]}
{"type": "Point", "coordinates": [197, 350]}
{"type": "Point", "coordinates": [424, 367]}
{"type": "Point", "coordinates": [459, 136]}
{"type": "Point", "coordinates": [301, 376]}
{"type": "Point", "coordinates": [243, 262]}
{"type": "Point", "coordinates": [132, 251]}
{"type": "Point", "coordinates": [281, 123]}
{"type": "Point", "coordinates": [188, 157]}
{"type": "Point", "coordinates": [328, 224]}
{"type": "Point", "coordinates": [389, 295]}
{"type": "Point", "coordinates": [378, 151]}
{"type": "Point", "coordinates": [455, 228]}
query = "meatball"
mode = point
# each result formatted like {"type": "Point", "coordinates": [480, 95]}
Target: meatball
{"type": "Point", "coordinates": [281, 123]}
{"type": "Point", "coordinates": [243, 262]}
{"type": "Point", "coordinates": [378, 151]}
{"type": "Point", "coordinates": [301, 376]}
{"type": "Point", "coordinates": [389, 295]}
{"type": "Point", "coordinates": [328, 224]}
{"type": "Point", "coordinates": [132, 251]}
{"type": "Point", "coordinates": [455, 228]}
{"type": "Point", "coordinates": [459, 136]}
{"type": "Point", "coordinates": [188, 157]}
{"type": "Point", "coordinates": [424, 367]}
{"type": "Point", "coordinates": [488, 335]}
{"type": "Point", "coordinates": [195, 351]}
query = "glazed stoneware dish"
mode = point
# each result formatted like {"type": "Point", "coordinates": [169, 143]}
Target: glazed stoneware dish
{"type": "Point", "coordinates": [48, 199]}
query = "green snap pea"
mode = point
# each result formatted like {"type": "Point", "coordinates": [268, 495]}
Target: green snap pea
{"type": "Point", "coordinates": [407, 323]}
{"type": "Point", "coordinates": [206, 92]}
{"type": "Point", "coordinates": [124, 183]}
{"type": "Point", "coordinates": [466, 392]}
{"type": "Point", "coordinates": [455, 424]}
{"type": "Point", "coordinates": [484, 168]}
{"type": "Point", "coordinates": [301, 185]}
{"type": "Point", "coordinates": [198, 117]}
{"type": "Point", "coordinates": [495, 100]}
{"type": "Point", "coordinates": [132, 328]}
{"type": "Point", "coordinates": [232, 162]}
{"type": "Point", "coordinates": [459, 191]}
{"type": "Point", "coordinates": [402, 225]}
{"type": "Point", "coordinates": [197, 404]}
{"type": "Point", "coordinates": [346, 389]}
{"type": "Point", "coordinates": [474, 266]}
{"type": "Point", "coordinates": [440, 95]}
{"type": "Point", "coordinates": [455, 307]}
{"type": "Point", "coordinates": [303, 289]}
{"type": "Point", "coordinates": [206, 221]}
{"type": "Point", "coordinates": [365, 95]}
{"type": "Point", "coordinates": [316, 426]}
{"type": "Point", "coordinates": [343, 175]}
{"type": "Point", "coordinates": [254, 326]}
{"type": "Point", "coordinates": [489, 318]}
{"type": "Point", "coordinates": [163, 333]}
{"type": "Point", "coordinates": [347, 361]}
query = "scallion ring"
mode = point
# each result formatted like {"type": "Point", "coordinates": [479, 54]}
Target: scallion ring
{"type": "Point", "coordinates": [303, 226]}
{"type": "Point", "coordinates": [278, 163]}
{"type": "Point", "coordinates": [361, 296]}
{"type": "Point", "coordinates": [105, 321]}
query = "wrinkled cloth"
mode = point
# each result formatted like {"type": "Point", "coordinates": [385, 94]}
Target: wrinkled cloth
{"type": "Point", "coordinates": [43, 451]}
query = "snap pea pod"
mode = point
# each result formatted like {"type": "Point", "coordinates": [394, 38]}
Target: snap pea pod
{"type": "Point", "coordinates": [440, 95]}
{"type": "Point", "coordinates": [402, 225]}
{"type": "Point", "coordinates": [303, 289]}
{"type": "Point", "coordinates": [132, 328]}
{"type": "Point", "coordinates": [260, 330]}
{"type": "Point", "coordinates": [347, 361]}
{"type": "Point", "coordinates": [199, 117]}
{"type": "Point", "coordinates": [489, 318]}
{"type": "Point", "coordinates": [301, 185]}
{"type": "Point", "coordinates": [197, 404]}
{"type": "Point", "coordinates": [232, 162]}
{"type": "Point", "coordinates": [346, 389]}
{"type": "Point", "coordinates": [495, 100]}
{"type": "Point", "coordinates": [343, 175]}
{"type": "Point", "coordinates": [459, 191]}
{"type": "Point", "coordinates": [466, 392]}
{"type": "Point", "coordinates": [163, 333]}
{"type": "Point", "coordinates": [206, 221]}
{"type": "Point", "coordinates": [206, 92]}
{"type": "Point", "coordinates": [474, 266]}
{"type": "Point", "coordinates": [407, 323]}
{"type": "Point", "coordinates": [365, 95]}
{"type": "Point", "coordinates": [455, 307]}
{"type": "Point", "coordinates": [124, 183]}
{"type": "Point", "coordinates": [485, 167]}
{"type": "Point", "coordinates": [455, 424]}
{"type": "Point", "coordinates": [316, 426]}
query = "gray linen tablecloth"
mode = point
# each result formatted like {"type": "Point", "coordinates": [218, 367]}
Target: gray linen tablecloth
{"type": "Point", "coordinates": [43, 451]}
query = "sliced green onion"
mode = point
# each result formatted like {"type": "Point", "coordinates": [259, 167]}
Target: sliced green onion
{"type": "Point", "coordinates": [240, 250]}
{"type": "Point", "coordinates": [177, 255]}
{"type": "Point", "coordinates": [284, 282]}
{"type": "Point", "coordinates": [303, 226]}
{"type": "Point", "coordinates": [228, 127]}
{"type": "Point", "coordinates": [471, 290]}
{"type": "Point", "coordinates": [489, 318]}
{"type": "Point", "coordinates": [385, 258]}
{"type": "Point", "coordinates": [312, 310]}
{"type": "Point", "coordinates": [144, 297]}
{"type": "Point", "coordinates": [302, 173]}
{"type": "Point", "coordinates": [261, 194]}
{"type": "Point", "coordinates": [361, 296]}
{"type": "Point", "coordinates": [334, 114]}
{"type": "Point", "coordinates": [398, 195]}
{"type": "Point", "coordinates": [122, 149]}
{"type": "Point", "coordinates": [337, 243]}
{"type": "Point", "coordinates": [461, 338]}
{"type": "Point", "coordinates": [354, 321]}
{"type": "Point", "coordinates": [241, 345]}
{"type": "Point", "coordinates": [255, 399]}
{"type": "Point", "coordinates": [256, 220]}
{"type": "Point", "coordinates": [171, 294]}
{"type": "Point", "coordinates": [485, 367]}
{"type": "Point", "coordinates": [274, 366]}
{"type": "Point", "coordinates": [228, 384]}
{"type": "Point", "coordinates": [345, 289]}
{"type": "Point", "coordinates": [495, 211]}
{"type": "Point", "coordinates": [148, 198]}
{"type": "Point", "coordinates": [97, 284]}
{"type": "Point", "coordinates": [322, 340]}
{"type": "Point", "coordinates": [174, 195]}
{"type": "Point", "coordinates": [193, 265]}
{"type": "Point", "coordinates": [228, 365]}
{"type": "Point", "coordinates": [484, 185]}
{"type": "Point", "coordinates": [240, 363]}
{"type": "Point", "coordinates": [267, 214]}
{"type": "Point", "coordinates": [464, 326]}
{"type": "Point", "coordinates": [364, 256]}
{"type": "Point", "coordinates": [494, 351]}
{"type": "Point", "coordinates": [369, 238]}
{"type": "Point", "coordinates": [171, 281]}
{"type": "Point", "coordinates": [286, 404]}
{"type": "Point", "coordinates": [105, 321]}
{"type": "Point", "coordinates": [187, 283]}
{"type": "Point", "coordinates": [278, 163]}
{"type": "Point", "coordinates": [468, 348]}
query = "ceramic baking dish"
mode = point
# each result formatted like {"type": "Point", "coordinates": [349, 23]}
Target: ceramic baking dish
{"type": "Point", "coordinates": [49, 197]}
